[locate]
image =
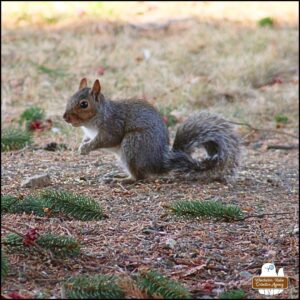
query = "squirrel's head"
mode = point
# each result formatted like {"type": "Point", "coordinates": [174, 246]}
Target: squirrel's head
{"type": "Point", "coordinates": [82, 106]}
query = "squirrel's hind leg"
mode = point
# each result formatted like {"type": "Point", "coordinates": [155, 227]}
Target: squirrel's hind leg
{"type": "Point", "coordinates": [126, 177]}
{"type": "Point", "coordinates": [142, 154]}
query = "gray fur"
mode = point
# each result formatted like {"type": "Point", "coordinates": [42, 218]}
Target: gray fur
{"type": "Point", "coordinates": [138, 131]}
{"type": "Point", "coordinates": [216, 135]}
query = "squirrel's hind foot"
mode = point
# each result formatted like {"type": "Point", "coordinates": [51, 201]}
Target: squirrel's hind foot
{"type": "Point", "coordinates": [119, 178]}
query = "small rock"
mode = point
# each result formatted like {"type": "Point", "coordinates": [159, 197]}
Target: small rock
{"type": "Point", "coordinates": [22, 279]}
{"type": "Point", "coordinates": [147, 54]}
{"type": "Point", "coordinates": [170, 243]}
{"type": "Point", "coordinates": [296, 229]}
{"type": "Point", "coordinates": [179, 267]}
{"type": "Point", "coordinates": [246, 274]}
{"type": "Point", "coordinates": [208, 246]}
{"type": "Point", "coordinates": [157, 239]}
{"type": "Point", "coordinates": [55, 129]}
{"type": "Point", "coordinates": [41, 180]}
{"type": "Point", "coordinates": [217, 291]}
{"type": "Point", "coordinates": [271, 253]}
{"type": "Point", "coordinates": [256, 145]}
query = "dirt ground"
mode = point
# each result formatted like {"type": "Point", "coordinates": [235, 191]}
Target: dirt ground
{"type": "Point", "coordinates": [230, 66]}
{"type": "Point", "coordinates": [137, 231]}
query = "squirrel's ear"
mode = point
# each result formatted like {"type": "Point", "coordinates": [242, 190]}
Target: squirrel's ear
{"type": "Point", "coordinates": [96, 88]}
{"type": "Point", "coordinates": [83, 83]}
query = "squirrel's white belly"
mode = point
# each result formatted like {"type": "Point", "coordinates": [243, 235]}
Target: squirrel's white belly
{"type": "Point", "coordinates": [90, 132]}
{"type": "Point", "coordinates": [117, 151]}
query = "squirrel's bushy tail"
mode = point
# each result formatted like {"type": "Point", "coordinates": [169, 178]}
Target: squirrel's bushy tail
{"type": "Point", "coordinates": [215, 135]}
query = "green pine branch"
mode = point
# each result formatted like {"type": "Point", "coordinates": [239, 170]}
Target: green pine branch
{"type": "Point", "coordinates": [14, 139]}
{"type": "Point", "coordinates": [148, 283]}
{"type": "Point", "coordinates": [77, 206]}
{"type": "Point", "coordinates": [29, 204]}
{"type": "Point", "coordinates": [58, 244]}
{"type": "Point", "coordinates": [52, 202]}
{"type": "Point", "coordinates": [7, 203]}
{"type": "Point", "coordinates": [4, 266]}
{"type": "Point", "coordinates": [233, 294]}
{"type": "Point", "coordinates": [14, 243]}
{"type": "Point", "coordinates": [208, 209]}
{"type": "Point", "coordinates": [93, 287]}
{"type": "Point", "coordinates": [31, 114]}
{"type": "Point", "coordinates": [156, 284]}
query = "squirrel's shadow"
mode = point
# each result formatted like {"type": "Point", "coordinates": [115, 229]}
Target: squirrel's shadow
{"type": "Point", "coordinates": [121, 179]}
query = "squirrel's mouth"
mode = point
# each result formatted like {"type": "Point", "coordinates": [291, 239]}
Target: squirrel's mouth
{"type": "Point", "coordinates": [72, 120]}
{"type": "Point", "coordinates": [75, 124]}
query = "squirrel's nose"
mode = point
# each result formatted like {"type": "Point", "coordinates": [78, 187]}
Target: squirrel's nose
{"type": "Point", "coordinates": [66, 117]}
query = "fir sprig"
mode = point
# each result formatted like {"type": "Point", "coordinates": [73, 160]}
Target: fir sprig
{"type": "Point", "coordinates": [7, 202]}
{"type": "Point", "coordinates": [93, 287]}
{"type": "Point", "coordinates": [233, 294]}
{"type": "Point", "coordinates": [14, 139]}
{"type": "Point", "coordinates": [4, 266]}
{"type": "Point", "coordinates": [14, 243]}
{"type": "Point", "coordinates": [156, 284]}
{"type": "Point", "coordinates": [208, 209]}
{"type": "Point", "coordinates": [31, 114]}
{"type": "Point", "coordinates": [29, 204]}
{"type": "Point", "coordinates": [77, 206]}
{"type": "Point", "coordinates": [51, 202]}
{"type": "Point", "coordinates": [59, 245]}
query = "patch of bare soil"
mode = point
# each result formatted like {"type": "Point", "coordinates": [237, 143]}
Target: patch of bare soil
{"type": "Point", "coordinates": [208, 256]}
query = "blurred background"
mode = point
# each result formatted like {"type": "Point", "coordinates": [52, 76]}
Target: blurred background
{"type": "Point", "coordinates": [237, 58]}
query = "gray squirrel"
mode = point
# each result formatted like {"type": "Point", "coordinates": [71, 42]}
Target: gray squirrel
{"type": "Point", "coordinates": [136, 133]}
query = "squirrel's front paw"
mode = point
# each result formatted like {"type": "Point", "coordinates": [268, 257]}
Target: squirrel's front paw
{"type": "Point", "coordinates": [84, 149]}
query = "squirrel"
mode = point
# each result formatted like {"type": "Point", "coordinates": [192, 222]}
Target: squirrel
{"type": "Point", "coordinates": [136, 133]}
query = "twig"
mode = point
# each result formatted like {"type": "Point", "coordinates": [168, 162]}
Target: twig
{"type": "Point", "coordinates": [255, 265]}
{"type": "Point", "coordinates": [197, 268]}
{"type": "Point", "coordinates": [119, 184]}
{"type": "Point", "coordinates": [66, 229]}
{"type": "Point", "coordinates": [263, 215]}
{"type": "Point", "coordinates": [22, 150]}
{"type": "Point", "coordinates": [99, 268]}
{"type": "Point", "coordinates": [264, 129]}
{"type": "Point", "coordinates": [167, 206]}
{"type": "Point", "coordinates": [39, 248]}
{"type": "Point", "coordinates": [48, 280]}
{"type": "Point", "coordinates": [158, 26]}
{"type": "Point", "coordinates": [248, 134]}
{"type": "Point", "coordinates": [6, 297]}
{"type": "Point", "coordinates": [12, 230]}
{"type": "Point", "coordinates": [283, 147]}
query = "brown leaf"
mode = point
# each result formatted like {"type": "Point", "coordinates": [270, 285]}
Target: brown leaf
{"type": "Point", "coordinates": [131, 290]}
{"type": "Point", "coordinates": [194, 270]}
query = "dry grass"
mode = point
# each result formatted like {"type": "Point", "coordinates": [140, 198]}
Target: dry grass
{"type": "Point", "coordinates": [204, 61]}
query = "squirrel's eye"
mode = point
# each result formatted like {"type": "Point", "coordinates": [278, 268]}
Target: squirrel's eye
{"type": "Point", "coordinates": [83, 104]}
